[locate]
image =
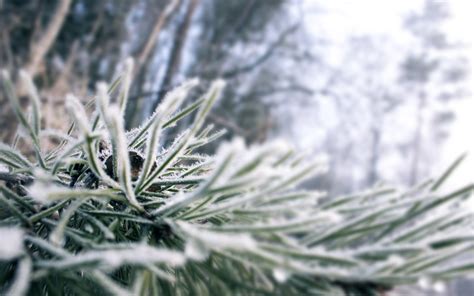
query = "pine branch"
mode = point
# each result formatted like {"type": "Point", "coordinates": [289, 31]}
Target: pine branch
{"type": "Point", "coordinates": [112, 211]}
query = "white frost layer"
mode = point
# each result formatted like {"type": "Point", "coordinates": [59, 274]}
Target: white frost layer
{"type": "Point", "coordinates": [200, 242]}
{"type": "Point", "coordinates": [280, 275]}
{"type": "Point", "coordinates": [44, 192]}
{"type": "Point", "coordinates": [12, 243]}
{"type": "Point", "coordinates": [141, 254]}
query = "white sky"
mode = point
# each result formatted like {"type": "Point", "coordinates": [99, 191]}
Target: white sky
{"type": "Point", "coordinates": [345, 17]}
{"type": "Point", "coordinates": [463, 137]}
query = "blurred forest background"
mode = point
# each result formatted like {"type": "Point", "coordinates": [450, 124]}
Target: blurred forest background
{"type": "Point", "coordinates": [373, 85]}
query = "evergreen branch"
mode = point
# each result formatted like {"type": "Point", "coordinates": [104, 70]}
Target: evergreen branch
{"type": "Point", "coordinates": [120, 214]}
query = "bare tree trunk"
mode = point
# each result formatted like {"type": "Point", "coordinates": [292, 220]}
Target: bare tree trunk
{"type": "Point", "coordinates": [176, 51]}
{"type": "Point", "coordinates": [372, 175]}
{"type": "Point", "coordinates": [40, 48]}
{"type": "Point", "coordinates": [139, 72]}
{"type": "Point", "coordinates": [155, 33]}
{"type": "Point", "coordinates": [415, 163]}
{"type": "Point", "coordinates": [37, 52]}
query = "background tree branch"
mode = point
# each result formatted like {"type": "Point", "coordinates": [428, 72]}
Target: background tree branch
{"type": "Point", "coordinates": [40, 48]}
{"type": "Point", "coordinates": [179, 39]}
{"type": "Point", "coordinates": [155, 33]}
{"type": "Point", "coordinates": [264, 57]}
